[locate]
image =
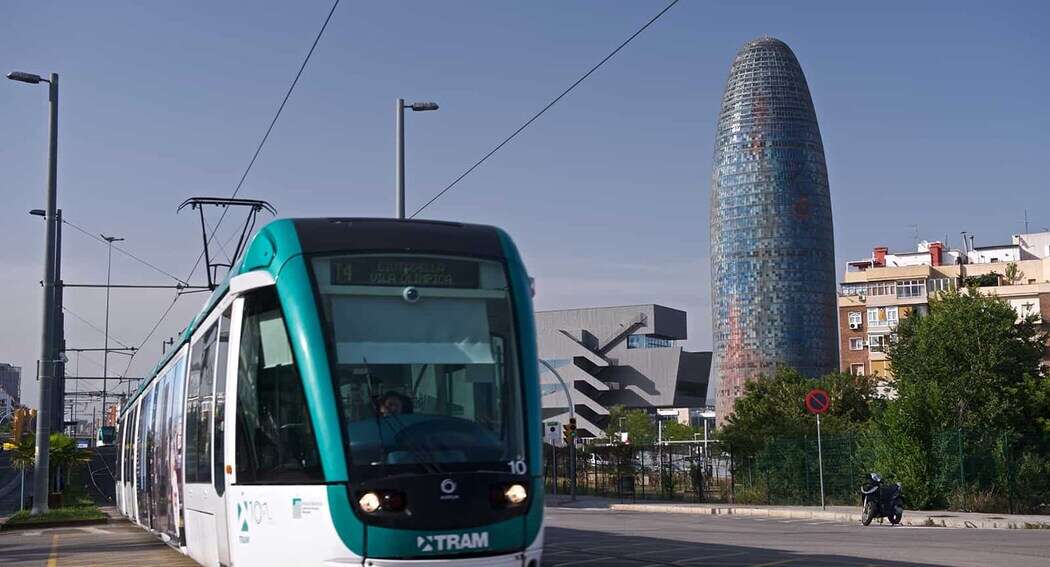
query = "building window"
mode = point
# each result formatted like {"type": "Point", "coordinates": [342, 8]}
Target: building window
{"type": "Point", "coordinates": [910, 288]}
{"type": "Point", "coordinates": [891, 316]}
{"type": "Point", "coordinates": [935, 285]}
{"type": "Point", "coordinates": [882, 288]}
{"type": "Point", "coordinates": [854, 289]}
{"type": "Point", "coordinates": [855, 319]}
{"type": "Point", "coordinates": [646, 341]}
{"type": "Point", "coordinates": [873, 316]}
{"type": "Point", "coordinates": [877, 343]}
{"type": "Point", "coordinates": [856, 343]}
{"type": "Point", "coordinates": [856, 369]}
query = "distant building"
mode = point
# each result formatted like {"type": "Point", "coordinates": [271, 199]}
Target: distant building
{"type": "Point", "coordinates": [877, 292]}
{"type": "Point", "coordinates": [11, 381]}
{"type": "Point", "coordinates": [772, 243]}
{"type": "Point", "coordinates": [7, 404]}
{"type": "Point", "coordinates": [625, 356]}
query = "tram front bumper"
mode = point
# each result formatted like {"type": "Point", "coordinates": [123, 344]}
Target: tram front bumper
{"type": "Point", "coordinates": [529, 558]}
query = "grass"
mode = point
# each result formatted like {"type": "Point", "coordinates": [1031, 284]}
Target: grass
{"type": "Point", "coordinates": [80, 512]}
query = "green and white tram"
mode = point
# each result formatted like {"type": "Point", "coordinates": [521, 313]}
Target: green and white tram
{"type": "Point", "coordinates": [357, 392]}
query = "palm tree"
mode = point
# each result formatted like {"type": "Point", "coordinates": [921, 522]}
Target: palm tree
{"type": "Point", "coordinates": [64, 455]}
{"type": "Point", "coordinates": [23, 456]}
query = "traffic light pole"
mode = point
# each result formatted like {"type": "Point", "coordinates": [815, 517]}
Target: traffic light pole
{"type": "Point", "coordinates": [572, 441]}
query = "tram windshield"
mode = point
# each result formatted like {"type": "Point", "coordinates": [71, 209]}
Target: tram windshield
{"type": "Point", "coordinates": [424, 363]}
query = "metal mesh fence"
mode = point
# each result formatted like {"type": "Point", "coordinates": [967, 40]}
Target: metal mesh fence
{"type": "Point", "coordinates": [979, 471]}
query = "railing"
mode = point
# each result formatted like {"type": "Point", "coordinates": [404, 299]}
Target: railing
{"type": "Point", "coordinates": [970, 470]}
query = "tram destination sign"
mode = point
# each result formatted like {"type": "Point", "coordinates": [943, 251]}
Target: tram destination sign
{"type": "Point", "coordinates": [400, 272]}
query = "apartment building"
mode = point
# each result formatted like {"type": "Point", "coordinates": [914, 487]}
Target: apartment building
{"type": "Point", "coordinates": [877, 292]}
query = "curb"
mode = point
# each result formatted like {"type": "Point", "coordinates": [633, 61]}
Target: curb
{"type": "Point", "coordinates": [911, 518]}
{"type": "Point", "coordinates": [5, 527]}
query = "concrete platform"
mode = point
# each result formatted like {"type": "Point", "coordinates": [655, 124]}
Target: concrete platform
{"type": "Point", "coordinates": [117, 544]}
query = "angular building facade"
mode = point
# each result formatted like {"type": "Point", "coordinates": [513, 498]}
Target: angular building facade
{"type": "Point", "coordinates": [609, 356]}
{"type": "Point", "coordinates": [772, 243]}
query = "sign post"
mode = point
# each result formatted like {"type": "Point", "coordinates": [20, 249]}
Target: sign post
{"type": "Point", "coordinates": [817, 402]}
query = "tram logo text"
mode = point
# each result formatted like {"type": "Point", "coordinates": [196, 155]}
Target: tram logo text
{"type": "Point", "coordinates": [453, 542]}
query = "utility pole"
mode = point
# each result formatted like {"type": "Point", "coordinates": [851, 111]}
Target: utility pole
{"type": "Point", "coordinates": [105, 352]}
{"type": "Point", "coordinates": [47, 351]}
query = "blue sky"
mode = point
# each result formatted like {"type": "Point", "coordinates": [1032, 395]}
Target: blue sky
{"type": "Point", "coordinates": [932, 114]}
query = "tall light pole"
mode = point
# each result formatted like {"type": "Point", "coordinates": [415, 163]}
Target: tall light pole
{"type": "Point", "coordinates": [399, 147]}
{"type": "Point", "coordinates": [47, 351]}
{"type": "Point", "coordinates": [105, 351]}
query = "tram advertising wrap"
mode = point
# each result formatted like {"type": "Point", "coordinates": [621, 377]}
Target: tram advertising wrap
{"type": "Point", "coordinates": [356, 392]}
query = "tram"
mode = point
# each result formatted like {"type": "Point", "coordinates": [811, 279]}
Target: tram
{"type": "Point", "coordinates": [356, 392]}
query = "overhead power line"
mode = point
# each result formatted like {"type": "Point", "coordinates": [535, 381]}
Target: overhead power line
{"type": "Point", "coordinates": [544, 109]}
{"type": "Point", "coordinates": [269, 129]}
{"type": "Point", "coordinates": [150, 334]}
{"type": "Point", "coordinates": [93, 326]}
{"type": "Point", "coordinates": [121, 250]}
{"type": "Point", "coordinates": [244, 176]}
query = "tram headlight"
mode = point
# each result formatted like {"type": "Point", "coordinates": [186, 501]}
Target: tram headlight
{"type": "Point", "coordinates": [515, 494]}
{"type": "Point", "coordinates": [369, 502]}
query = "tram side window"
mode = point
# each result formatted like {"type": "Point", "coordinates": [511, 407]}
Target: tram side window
{"type": "Point", "coordinates": [198, 408]}
{"type": "Point", "coordinates": [220, 403]}
{"type": "Point", "coordinates": [275, 438]}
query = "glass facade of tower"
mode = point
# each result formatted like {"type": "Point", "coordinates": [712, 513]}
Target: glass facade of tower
{"type": "Point", "coordinates": [772, 244]}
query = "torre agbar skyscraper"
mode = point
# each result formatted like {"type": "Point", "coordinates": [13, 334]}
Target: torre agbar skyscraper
{"type": "Point", "coordinates": [772, 243]}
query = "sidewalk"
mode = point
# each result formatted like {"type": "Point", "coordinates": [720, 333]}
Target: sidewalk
{"type": "Point", "coordinates": [845, 514]}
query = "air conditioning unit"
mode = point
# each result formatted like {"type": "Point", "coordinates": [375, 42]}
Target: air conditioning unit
{"type": "Point", "coordinates": [854, 326]}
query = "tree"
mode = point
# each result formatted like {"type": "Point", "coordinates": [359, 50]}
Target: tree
{"type": "Point", "coordinates": [637, 423]}
{"type": "Point", "coordinates": [675, 431]}
{"type": "Point", "coordinates": [774, 407]}
{"type": "Point", "coordinates": [65, 454]}
{"type": "Point", "coordinates": [23, 452]}
{"type": "Point", "coordinates": [968, 363]}
{"type": "Point", "coordinates": [1012, 273]}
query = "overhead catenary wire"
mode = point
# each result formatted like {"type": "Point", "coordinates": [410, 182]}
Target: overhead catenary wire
{"type": "Point", "coordinates": [93, 326]}
{"type": "Point", "coordinates": [544, 109]}
{"type": "Point", "coordinates": [269, 129]}
{"type": "Point", "coordinates": [149, 335]}
{"type": "Point", "coordinates": [95, 236]}
{"type": "Point", "coordinates": [244, 176]}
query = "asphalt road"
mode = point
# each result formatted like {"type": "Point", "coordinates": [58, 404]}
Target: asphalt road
{"type": "Point", "coordinates": [633, 539]}
{"type": "Point", "coordinates": [605, 538]}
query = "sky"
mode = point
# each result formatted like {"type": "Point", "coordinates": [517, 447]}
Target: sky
{"type": "Point", "coordinates": [933, 117]}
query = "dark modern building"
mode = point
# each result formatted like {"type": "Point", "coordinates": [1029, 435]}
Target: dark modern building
{"type": "Point", "coordinates": [627, 355]}
{"type": "Point", "coordinates": [11, 381]}
{"type": "Point", "coordinates": [772, 246]}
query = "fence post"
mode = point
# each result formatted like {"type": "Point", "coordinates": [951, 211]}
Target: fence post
{"type": "Point", "coordinates": [805, 470]}
{"type": "Point", "coordinates": [1009, 475]}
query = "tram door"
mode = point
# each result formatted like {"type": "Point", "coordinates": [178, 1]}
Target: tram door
{"type": "Point", "coordinates": [204, 462]}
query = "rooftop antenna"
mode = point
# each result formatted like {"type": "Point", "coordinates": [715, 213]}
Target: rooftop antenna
{"type": "Point", "coordinates": [966, 244]}
{"type": "Point", "coordinates": [1026, 221]}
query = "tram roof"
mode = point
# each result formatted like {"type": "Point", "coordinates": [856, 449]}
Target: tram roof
{"type": "Point", "coordinates": [281, 239]}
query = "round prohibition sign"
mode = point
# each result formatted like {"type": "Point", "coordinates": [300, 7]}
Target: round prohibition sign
{"type": "Point", "coordinates": [818, 401]}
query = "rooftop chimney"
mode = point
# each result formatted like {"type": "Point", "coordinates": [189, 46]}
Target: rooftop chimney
{"type": "Point", "coordinates": [879, 256]}
{"type": "Point", "coordinates": [935, 253]}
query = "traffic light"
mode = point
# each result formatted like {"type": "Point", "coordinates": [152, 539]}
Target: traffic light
{"type": "Point", "coordinates": [22, 423]}
{"type": "Point", "coordinates": [569, 431]}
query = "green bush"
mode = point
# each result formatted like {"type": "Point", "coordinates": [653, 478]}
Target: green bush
{"type": "Point", "coordinates": [24, 517]}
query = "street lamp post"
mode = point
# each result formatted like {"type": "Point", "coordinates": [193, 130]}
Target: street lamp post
{"type": "Point", "coordinates": [105, 351]}
{"type": "Point", "coordinates": [47, 354]}
{"type": "Point", "coordinates": [399, 148]}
